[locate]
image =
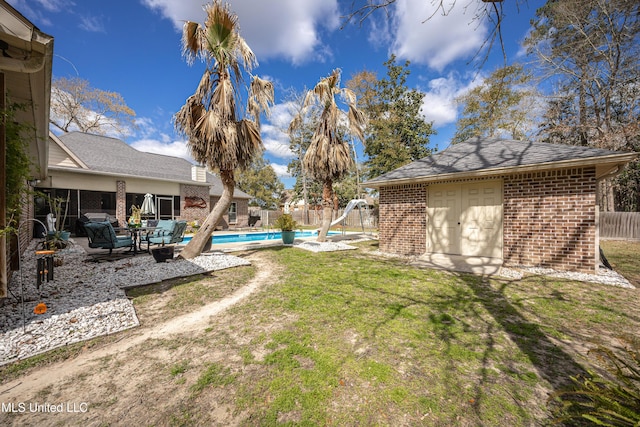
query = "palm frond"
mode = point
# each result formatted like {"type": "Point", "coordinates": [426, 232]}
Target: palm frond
{"type": "Point", "coordinates": [209, 117]}
{"type": "Point", "coordinates": [349, 96]}
{"type": "Point", "coordinates": [191, 44]}
{"type": "Point", "coordinates": [189, 114]}
{"type": "Point", "coordinates": [261, 97]}
{"type": "Point", "coordinates": [248, 57]}
{"type": "Point", "coordinates": [328, 157]}
{"type": "Point", "coordinates": [295, 124]}
{"type": "Point", "coordinates": [223, 99]}
{"type": "Point", "coordinates": [220, 27]}
{"type": "Point", "coordinates": [333, 80]}
{"type": "Point", "coordinates": [204, 87]}
{"type": "Point", "coordinates": [249, 142]}
{"type": "Point", "coordinates": [310, 99]}
{"type": "Point", "coordinates": [357, 122]}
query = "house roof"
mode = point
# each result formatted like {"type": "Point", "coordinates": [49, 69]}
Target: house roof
{"type": "Point", "coordinates": [489, 156]}
{"type": "Point", "coordinates": [105, 155]}
{"type": "Point", "coordinates": [26, 59]}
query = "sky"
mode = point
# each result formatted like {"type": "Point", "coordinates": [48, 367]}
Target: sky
{"type": "Point", "coordinates": [133, 47]}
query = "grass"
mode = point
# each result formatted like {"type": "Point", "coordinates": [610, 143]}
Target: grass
{"type": "Point", "coordinates": [378, 342]}
{"type": "Point", "coordinates": [623, 256]}
{"type": "Point", "coordinates": [186, 294]}
{"type": "Point", "coordinates": [350, 338]}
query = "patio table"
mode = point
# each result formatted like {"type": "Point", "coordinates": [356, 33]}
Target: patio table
{"type": "Point", "coordinates": [136, 234]}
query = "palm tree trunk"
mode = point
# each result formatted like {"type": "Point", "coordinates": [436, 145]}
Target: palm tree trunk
{"type": "Point", "coordinates": [327, 209]}
{"type": "Point", "coordinates": [200, 240]}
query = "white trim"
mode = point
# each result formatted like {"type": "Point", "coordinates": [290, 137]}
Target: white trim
{"type": "Point", "coordinates": [66, 149]}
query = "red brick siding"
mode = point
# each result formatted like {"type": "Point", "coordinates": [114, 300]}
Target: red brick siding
{"type": "Point", "coordinates": [121, 202]}
{"type": "Point", "coordinates": [194, 213]}
{"type": "Point", "coordinates": [403, 219]}
{"type": "Point", "coordinates": [550, 219]}
{"type": "Point", "coordinates": [242, 213]}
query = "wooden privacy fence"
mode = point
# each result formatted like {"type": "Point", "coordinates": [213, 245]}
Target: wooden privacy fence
{"type": "Point", "coordinates": [352, 220]}
{"type": "Point", "coordinates": [621, 225]}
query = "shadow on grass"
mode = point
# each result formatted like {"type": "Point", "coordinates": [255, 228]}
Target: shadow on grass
{"type": "Point", "coordinates": [475, 300]}
{"type": "Point", "coordinates": [550, 361]}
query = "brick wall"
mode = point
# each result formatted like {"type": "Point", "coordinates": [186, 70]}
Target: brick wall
{"type": "Point", "coordinates": [550, 219]}
{"type": "Point", "coordinates": [194, 213]}
{"type": "Point", "coordinates": [403, 219]}
{"type": "Point", "coordinates": [242, 213]}
{"type": "Point", "coordinates": [121, 202]}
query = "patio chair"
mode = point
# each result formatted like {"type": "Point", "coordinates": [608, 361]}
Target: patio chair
{"type": "Point", "coordinates": [160, 237]}
{"type": "Point", "coordinates": [162, 227]}
{"type": "Point", "coordinates": [103, 236]}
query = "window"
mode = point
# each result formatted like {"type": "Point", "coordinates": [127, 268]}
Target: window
{"type": "Point", "coordinates": [233, 213]}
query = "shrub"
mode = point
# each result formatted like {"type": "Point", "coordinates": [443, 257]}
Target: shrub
{"type": "Point", "coordinates": [609, 401]}
{"type": "Point", "coordinates": [285, 222]}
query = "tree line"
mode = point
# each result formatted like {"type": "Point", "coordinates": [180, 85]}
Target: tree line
{"type": "Point", "coordinates": [579, 87]}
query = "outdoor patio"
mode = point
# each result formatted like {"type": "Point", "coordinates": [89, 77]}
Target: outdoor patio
{"type": "Point", "coordinates": [87, 298]}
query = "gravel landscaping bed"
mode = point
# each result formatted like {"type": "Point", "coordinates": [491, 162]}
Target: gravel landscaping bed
{"type": "Point", "coordinates": [85, 300]}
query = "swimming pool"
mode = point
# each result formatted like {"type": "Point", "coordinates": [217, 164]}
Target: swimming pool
{"type": "Point", "coordinates": [254, 237]}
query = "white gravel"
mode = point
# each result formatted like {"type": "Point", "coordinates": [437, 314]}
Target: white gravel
{"type": "Point", "coordinates": [85, 300]}
{"type": "Point", "coordinates": [604, 275]}
{"type": "Point", "coordinates": [324, 246]}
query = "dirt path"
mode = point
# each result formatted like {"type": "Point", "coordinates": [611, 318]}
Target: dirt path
{"type": "Point", "coordinates": [27, 386]}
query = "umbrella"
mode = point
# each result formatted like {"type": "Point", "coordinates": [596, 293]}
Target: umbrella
{"type": "Point", "coordinates": [148, 207]}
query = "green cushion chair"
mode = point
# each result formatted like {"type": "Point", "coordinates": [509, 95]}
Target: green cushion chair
{"type": "Point", "coordinates": [102, 235]}
{"type": "Point", "coordinates": [160, 237]}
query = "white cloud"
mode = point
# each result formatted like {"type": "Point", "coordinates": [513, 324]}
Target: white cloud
{"type": "Point", "coordinates": [278, 147]}
{"type": "Point", "coordinates": [91, 24]}
{"type": "Point", "coordinates": [443, 38]}
{"type": "Point", "coordinates": [175, 148]}
{"type": "Point", "coordinates": [287, 28]}
{"type": "Point", "coordinates": [438, 104]}
{"type": "Point", "coordinates": [274, 136]}
{"type": "Point", "coordinates": [280, 170]}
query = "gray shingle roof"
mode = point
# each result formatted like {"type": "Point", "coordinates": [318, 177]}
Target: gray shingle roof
{"type": "Point", "coordinates": [113, 156]}
{"type": "Point", "coordinates": [480, 154]}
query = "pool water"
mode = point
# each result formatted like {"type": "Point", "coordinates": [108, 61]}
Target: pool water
{"type": "Point", "coordinates": [253, 237]}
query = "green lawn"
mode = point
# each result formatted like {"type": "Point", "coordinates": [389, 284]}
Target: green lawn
{"type": "Point", "coordinates": [355, 339]}
{"type": "Point", "coordinates": [372, 341]}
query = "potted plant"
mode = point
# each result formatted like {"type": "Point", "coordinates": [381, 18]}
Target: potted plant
{"type": "Point", "coordinates": [58, 237]}
{"type": "Point", "coordinates": [287, 225]}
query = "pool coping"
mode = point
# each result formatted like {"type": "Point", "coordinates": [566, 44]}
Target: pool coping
{"type": "Point", "coordinates": [258, 244]}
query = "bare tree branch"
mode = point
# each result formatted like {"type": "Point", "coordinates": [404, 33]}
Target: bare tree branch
{"type": "Point", "coordinates": [491, 10]}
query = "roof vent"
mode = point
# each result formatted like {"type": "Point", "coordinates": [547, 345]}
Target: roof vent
{"type": "Point", "coordinates": [198, 173]}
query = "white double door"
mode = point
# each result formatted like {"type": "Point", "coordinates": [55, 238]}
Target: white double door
{"type": "Point", "coordinates": [465, 219]}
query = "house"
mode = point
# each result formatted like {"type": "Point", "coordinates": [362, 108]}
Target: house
{"type": "Point", "coordinates": [100, 174]}
{"type": "Point", "coordinates": [527, 203]}
{"type": "Point", "coordinates": [26, 55]}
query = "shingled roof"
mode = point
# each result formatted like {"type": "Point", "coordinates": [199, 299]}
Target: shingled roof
{"type": "Point", "coordinates": [485, 156]}
{"type": "Point", "coordinates": [102, 154]}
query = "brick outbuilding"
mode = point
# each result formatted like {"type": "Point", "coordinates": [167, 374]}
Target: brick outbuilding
{"type": "Point", "coordinates": [527, 203]}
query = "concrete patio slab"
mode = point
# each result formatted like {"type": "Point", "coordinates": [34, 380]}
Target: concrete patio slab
{"type": "Point", "coordinates": [482, 266]}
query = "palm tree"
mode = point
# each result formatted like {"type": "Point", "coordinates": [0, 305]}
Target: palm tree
{"type": "Point", "coordinates": [328, 157]}
{"type": "Point", "coordinates": [218, 136]}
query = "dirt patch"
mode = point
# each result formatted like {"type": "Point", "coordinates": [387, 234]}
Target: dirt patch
{"type": "Point", "coordinates": [146, 368]}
